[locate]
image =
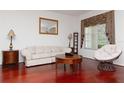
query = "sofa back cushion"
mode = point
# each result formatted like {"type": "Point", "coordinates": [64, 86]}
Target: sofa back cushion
{"type": "Point", "coordinates": [57, 49]}
{"type": "Point", "coordinates": [30, 50]}
{"type": "Point", "coordinates": [49, 49]}
{"type": "Point", "coordinates": [43, 49]}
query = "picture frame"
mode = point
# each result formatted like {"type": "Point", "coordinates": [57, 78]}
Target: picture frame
{"type": "Point", "coordinates": [48, 26]}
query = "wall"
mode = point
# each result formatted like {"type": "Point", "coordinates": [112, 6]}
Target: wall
{"type": "Point", "coordinates": [26, 27]}
{"type": "Point", "coordinates": [119, 32]}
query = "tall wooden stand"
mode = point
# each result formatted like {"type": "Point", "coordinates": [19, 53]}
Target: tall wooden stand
{"type": "Point", "coordinates": [75, 42]}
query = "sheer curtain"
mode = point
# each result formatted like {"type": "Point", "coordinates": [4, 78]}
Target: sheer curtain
{"type": "Point", "coordinates": [95, 36]}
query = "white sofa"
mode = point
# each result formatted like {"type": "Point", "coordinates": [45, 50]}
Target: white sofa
{"type": "Point", "coordinates": [38, 55]}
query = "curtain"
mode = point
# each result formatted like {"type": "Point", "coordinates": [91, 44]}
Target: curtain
{"type": "Point", "coordinates": [110, 33]}
{"type": "Point", "coordinates": [82, 32]}
{"type": "Point", "coordinates": [105, 18]}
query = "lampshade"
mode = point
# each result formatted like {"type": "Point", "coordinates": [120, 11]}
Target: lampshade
{"type": "Point", "coordinates": [11, 33]}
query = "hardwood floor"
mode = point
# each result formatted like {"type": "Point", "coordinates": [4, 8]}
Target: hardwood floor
{"type": "Point", "coordinates": [48, 74]}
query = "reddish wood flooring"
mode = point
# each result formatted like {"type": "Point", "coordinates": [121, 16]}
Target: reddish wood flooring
{"type": "Point", "coordinates": [48, 74]}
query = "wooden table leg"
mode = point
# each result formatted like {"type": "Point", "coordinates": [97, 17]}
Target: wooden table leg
{"type": "Point", "coordinates": [72, 67]}
{"type": "Point", "coordinates": [56, 65]}
{"type": "Point", "coordinates": [80, 65]}
{"type": "Point", "coordinates": [64, 67]}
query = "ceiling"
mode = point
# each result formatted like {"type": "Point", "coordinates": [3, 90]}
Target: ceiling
{"type": "Point", "coordinates": [71, 12]}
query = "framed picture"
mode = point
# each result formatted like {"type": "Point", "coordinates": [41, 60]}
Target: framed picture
{"type": "Point", "coordinates": [48, 26]}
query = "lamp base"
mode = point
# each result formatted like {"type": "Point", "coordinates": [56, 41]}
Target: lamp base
{"type": "Point", "coordinates": [10, 49]}
{"type": "Point", "coordinates": [10, 46]}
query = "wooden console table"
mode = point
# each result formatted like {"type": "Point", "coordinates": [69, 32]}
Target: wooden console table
{"type": "Point", "coordinates": [10, 57]}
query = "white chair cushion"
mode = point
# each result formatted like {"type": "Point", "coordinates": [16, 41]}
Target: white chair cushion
{"type": "Point", "coordinates": [107, 52]}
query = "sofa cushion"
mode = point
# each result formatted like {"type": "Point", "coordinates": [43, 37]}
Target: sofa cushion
{"type": "Point", "coordinates": [53, 54]}
{"type": "Point", "coordinates": [39, 55]}
{"type": "Point", "coordinates": [43, 49]}
{"type": "Point", "coordinates": [57, 49]}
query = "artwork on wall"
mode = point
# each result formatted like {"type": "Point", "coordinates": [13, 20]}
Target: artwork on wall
{"type": "Point", "coordinates": [48, 26]}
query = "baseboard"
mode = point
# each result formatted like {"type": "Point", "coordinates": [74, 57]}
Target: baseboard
{"type": "Point", "coordinates": [118, 65]}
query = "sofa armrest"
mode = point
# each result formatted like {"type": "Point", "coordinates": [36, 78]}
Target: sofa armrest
{"type": "Point", "coordinates": [26, 53]}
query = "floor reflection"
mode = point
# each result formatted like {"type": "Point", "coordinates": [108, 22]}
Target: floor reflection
{"type": "Point", "coordinates": [108, 77]}
{"type": "Point", "coordinates": [69, 76]}
{"type": "Point", "coordinates": [12, 73]}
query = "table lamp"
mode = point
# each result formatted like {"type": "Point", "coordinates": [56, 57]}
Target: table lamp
{"type": "Point", "coordinates": [69, 38]}
{"type": "Point", "coordinates": [11, 35]}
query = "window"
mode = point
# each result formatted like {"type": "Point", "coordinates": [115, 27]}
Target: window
{"type": "Point", "coordinates": [95, 36]}
{"type": "Point", "coordinates": [98, 30]}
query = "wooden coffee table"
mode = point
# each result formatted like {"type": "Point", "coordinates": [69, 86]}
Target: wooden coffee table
{"type": "Point", "coordinates": [72, 60]}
